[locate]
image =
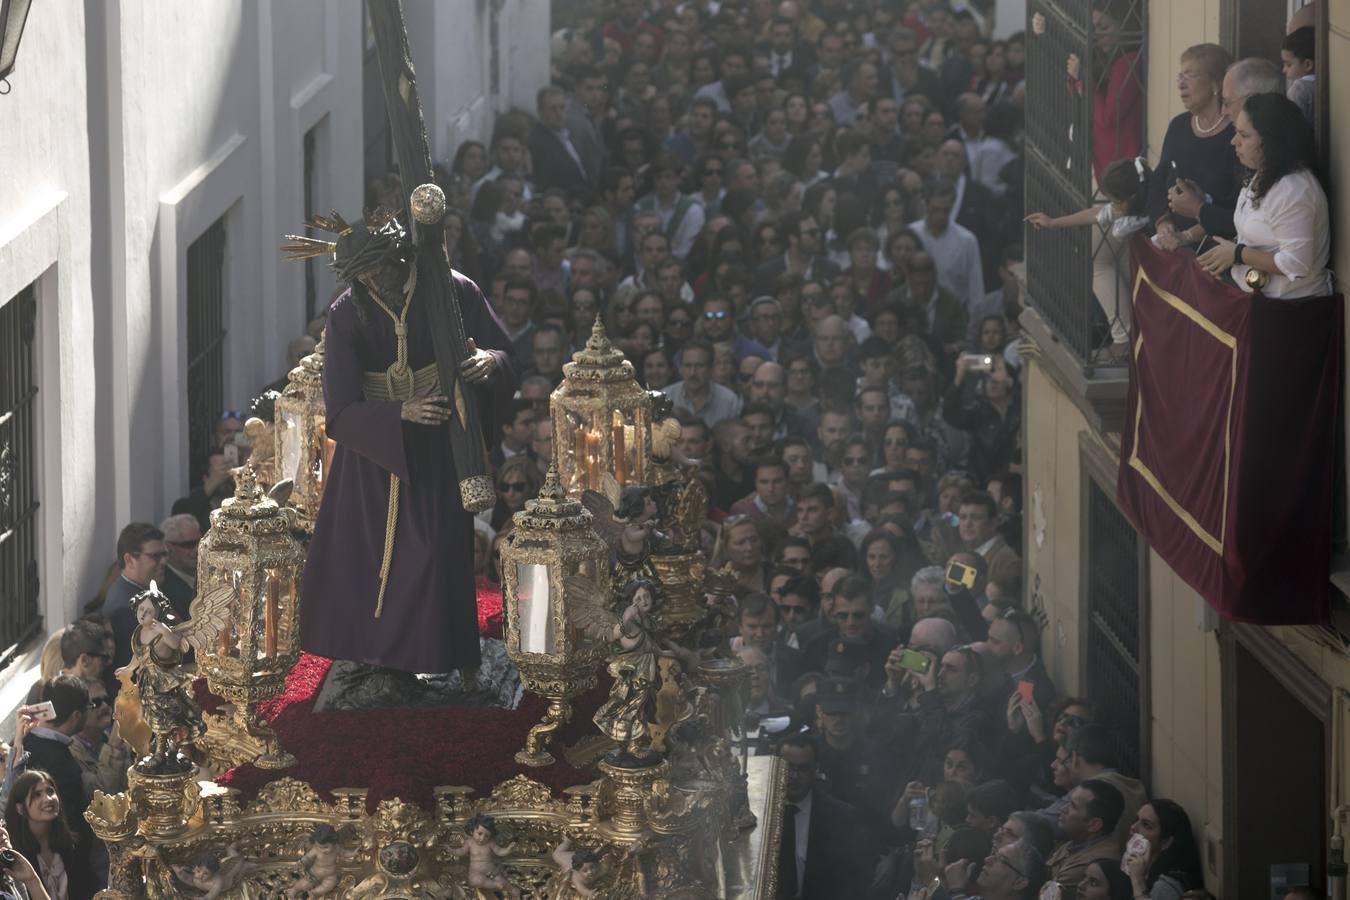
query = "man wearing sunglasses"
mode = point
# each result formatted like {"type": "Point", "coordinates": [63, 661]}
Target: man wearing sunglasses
{"type": "Point", "coordinates": [104, 760]}
{"type": "Point", "coordinates": [182, 533]}
{"type": "Point", "coordinates": [717, 323]}
{"type": "Point", "coordinates": [851, 619]}
{"type": "Point", "coordinates": [142, 556]}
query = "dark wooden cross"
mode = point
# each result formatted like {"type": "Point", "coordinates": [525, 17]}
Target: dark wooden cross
{"type": "Point", "coordinates": [409, 133]}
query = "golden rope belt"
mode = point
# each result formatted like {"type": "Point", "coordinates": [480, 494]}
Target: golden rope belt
{"type": "Point", "coordinates": [398, 382]}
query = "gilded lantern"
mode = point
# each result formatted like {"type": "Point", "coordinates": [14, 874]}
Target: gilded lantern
{"type": "Point", "coordinates": [250, 548]}
{"type": "Point", "coordinates": [601, 419]}
{"type": "Point", "coordinates": [551, 550]}
{"type": "Point", "coordinates": [303, 450]}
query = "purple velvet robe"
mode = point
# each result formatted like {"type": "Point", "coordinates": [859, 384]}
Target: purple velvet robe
{"type": "Point", "coordinates": [429, 622]}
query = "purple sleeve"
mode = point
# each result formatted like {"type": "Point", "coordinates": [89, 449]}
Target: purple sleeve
{"type": "Point", "coordinates": [372, 428]}
{"type": "Point", "coordinates": [481, 324]}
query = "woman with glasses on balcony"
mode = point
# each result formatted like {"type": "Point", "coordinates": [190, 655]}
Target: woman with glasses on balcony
{"type": "Point", "coordinates": [1283, 240]}
{"type": "Point", "coordinates": [517, 481]}
{"type": "Point", "coordinates": [1197, 147]}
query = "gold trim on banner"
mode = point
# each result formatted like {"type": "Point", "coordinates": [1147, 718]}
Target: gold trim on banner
{"type": "Point", "coordinates": [1229, 341]}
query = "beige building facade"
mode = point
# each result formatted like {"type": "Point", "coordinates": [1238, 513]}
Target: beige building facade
{"type": "Point", "coordinates": [1246, 727]}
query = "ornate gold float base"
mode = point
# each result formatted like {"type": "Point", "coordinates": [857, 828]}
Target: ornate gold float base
{"type": "Point", "coordinates": [163, 803]}
{"type": "Point", "coordinates": [235, 740]}
{"type": "Point", "coordinates": [623, 801]}
{"type": "Point", "coordinates": [681, 579]}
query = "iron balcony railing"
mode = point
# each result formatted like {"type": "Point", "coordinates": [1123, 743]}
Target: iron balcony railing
{"type": "Point", "coordinates": [1071, 273]}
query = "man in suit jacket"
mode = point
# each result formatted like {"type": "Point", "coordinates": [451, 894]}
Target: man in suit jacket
{"type": "Point", "coordinates": [142, 555]}
{"type": "Point", "coordinates": [557, 160]}
{"type": "Point", "coordinates": [978, 528]}
{"type": "Point", "coordinates": [1015, 642]}
{"type": "Point", "coordinates": [820, 856]}
{"type": "Point", "coordinates": [937, 309]}
{"type": "Point", "coordinates": [182, 534]}
{"type": "Point", "coordinates": [978, 209]}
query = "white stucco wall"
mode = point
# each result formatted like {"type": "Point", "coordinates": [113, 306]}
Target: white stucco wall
{"type": "Point", "coordinates": [45, 238]}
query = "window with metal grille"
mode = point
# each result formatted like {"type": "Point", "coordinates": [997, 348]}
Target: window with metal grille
{"type": "Point", "coordinates": [1063, 119]}
{"type": "Point", "coordinates": [1116, 616]}
{"type": "Point", "coordinates": [205, 341]}
{"type": "Point", "coordinates": [311, 265]}
{"type": "Point", "coordinates": [19, 617]}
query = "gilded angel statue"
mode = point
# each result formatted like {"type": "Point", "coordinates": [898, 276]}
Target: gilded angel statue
{"type": "Point", "coordinates": [632, 664]}
{"type": "Point", "coordinates": [157, 648]}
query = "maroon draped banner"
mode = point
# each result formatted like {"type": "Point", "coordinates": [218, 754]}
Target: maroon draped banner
{"type": "Point", "coordinates": [1227, 453]}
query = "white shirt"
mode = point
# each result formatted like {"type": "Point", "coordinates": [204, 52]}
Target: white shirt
{"type": "Point", "coordinates": [1119, 226]}
{"type": "Point", "coordinates": [956, 253]}
{"type": "Point", "coordinates": [1293, 224]}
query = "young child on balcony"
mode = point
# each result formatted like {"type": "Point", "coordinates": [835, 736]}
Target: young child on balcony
{"type": "Point", "coordinates": [1124, 183]}
{"type": "Point", "coordinates": [1297, 61]}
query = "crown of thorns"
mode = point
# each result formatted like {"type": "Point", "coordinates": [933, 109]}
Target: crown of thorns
{"type": "Point", "coordinates": [360, 247]}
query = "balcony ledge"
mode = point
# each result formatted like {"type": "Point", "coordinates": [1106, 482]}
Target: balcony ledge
{"type": "Point", "coordinates": [1099, 391]}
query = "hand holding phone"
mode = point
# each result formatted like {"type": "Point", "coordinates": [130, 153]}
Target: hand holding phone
{"type": "Point", "coordinates": [1026, 691]}
{"type": "Point", "coordinates": [914, 661]}
{"type": "Point", "coordinates": [977, 362]}
{"type": "Point", "coordinates": [40, 712]}
{"type": "Point", "coordinates": [961, 575]}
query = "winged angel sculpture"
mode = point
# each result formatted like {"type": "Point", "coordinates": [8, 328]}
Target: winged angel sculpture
{"type": "Point", "coordinates": [157, 648]}
{"type": "Point", "coordinates": [634, 649]}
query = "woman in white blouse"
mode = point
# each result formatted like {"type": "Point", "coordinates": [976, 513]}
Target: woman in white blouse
{"type": "Point", "coordinates": [1283, 231]}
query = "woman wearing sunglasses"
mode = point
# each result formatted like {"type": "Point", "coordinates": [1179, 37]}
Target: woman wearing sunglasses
{"type": "Point", "coordinates": [517, 481]}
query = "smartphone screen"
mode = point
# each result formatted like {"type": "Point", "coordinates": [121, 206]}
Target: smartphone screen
{"type": "Point", "coordinates": [1026, 690]}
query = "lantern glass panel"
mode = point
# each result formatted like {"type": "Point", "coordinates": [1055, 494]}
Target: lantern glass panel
{"type": "Point", "coordinates": [533, 607]}
{"type": "Point", "coordinates": [292, 442]}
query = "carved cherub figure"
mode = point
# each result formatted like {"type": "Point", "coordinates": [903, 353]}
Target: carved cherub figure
{"type": "Point", "coordinates": [483, 850]}
{"type": "Point", "coordinates": [157, 647]}
{"type": "Point", "coordinates": [214, 876]}
{"type": "Point", "coordinates": [319, 866]}
{"type": "Point", "coordinates": [579, 872]}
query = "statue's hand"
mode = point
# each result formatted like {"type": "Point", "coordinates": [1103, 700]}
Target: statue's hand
{"type": "Point", "coordinates": [426, 410]}
{"type": "Point", "coordinates": [479, 366]}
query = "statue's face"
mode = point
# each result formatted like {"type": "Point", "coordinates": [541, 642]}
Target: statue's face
{"type": "Point", "coordinates": [386, 281]}
{"type": "Point", "coordinates": [201, 874]}
{"type": "Point", "coordinates": [145, 612]}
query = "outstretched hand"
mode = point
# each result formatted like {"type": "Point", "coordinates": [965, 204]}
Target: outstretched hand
{"type": "Point", "coordinates": [479, 366]}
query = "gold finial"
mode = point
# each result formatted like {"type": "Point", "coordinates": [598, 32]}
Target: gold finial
{"type": "Point", "coordinates": [553, 508]}
{"type": "Point", "coordinates": [246, 488]}
{"type": "Point", "coordinates": [598, 353]}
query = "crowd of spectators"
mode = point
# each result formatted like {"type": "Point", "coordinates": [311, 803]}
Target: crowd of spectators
{"type": "Point", "coordinates": [801, 221]}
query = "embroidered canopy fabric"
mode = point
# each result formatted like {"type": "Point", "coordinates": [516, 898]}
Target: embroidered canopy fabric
{"type": "Point", "coordinates": [1226, 462]}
